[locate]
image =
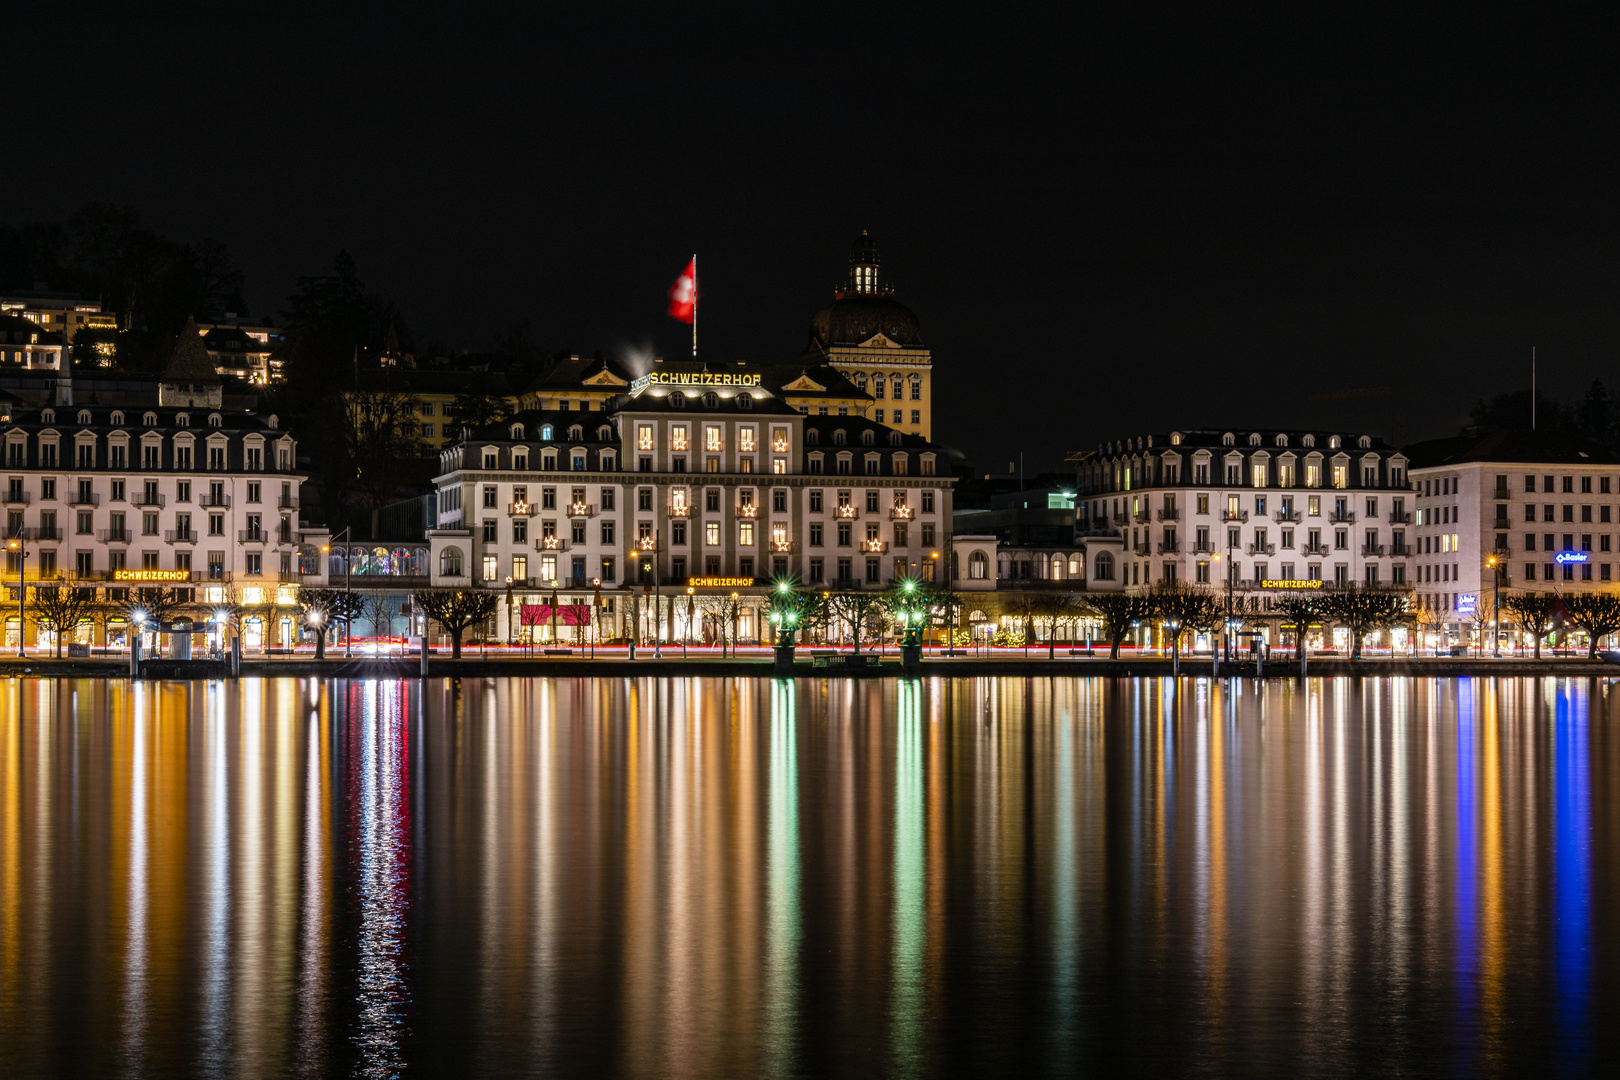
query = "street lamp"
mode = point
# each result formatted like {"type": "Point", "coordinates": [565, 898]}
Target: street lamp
{"type": "Point", "coordinates": [348, 561]}
{"type": "Point", "coordinates": [686, 638]}
{"type": "Point", "coordinates": [20, 545]}
{"type": "Point", "coordinates": [596, 614]}
{"type": "Point", "coordinates": [1496, 611]}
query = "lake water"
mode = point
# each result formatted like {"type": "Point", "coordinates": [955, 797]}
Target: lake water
{"type": "Point", "coordinates": [717, 877]}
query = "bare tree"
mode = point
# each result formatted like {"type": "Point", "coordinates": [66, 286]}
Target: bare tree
{"type": "Point", "coordinates": [455, 610]}
{"type": "Point", "coordinates": [857, 609]}
{"type": "Point", "coordinates": [1533, 612]}
{"type": "Point", "coordinates": [1361, 609]}
{"type": "Point", "coordinates": [62, 608]}
{"type": "Point", "coordinates": [1117, 611]}
{"type": "Point", "coordinates": [324, 608]}
{"type": "Point", "coordinates": [1186, 608]}
{"type": "Point", "coordinates": [1598, 613]}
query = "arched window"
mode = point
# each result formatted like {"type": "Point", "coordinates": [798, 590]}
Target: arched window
{"type": "Point", "coordinates": [517, 431]}
{"type": "Point", "coordinates": [745, 401]}
{"type": "Point", "coordinates": [978, 566]}
{"type": "Point", "coordinates": [182, 420]}
{"type": "Point", "coordinates": [812, 437]}
{"type": "Point", "coordinates": [1254, 439]}
{"type": "Point", "coordinates": [677, 400]}
{"type": "Point", "coordinates": [839, 438]}
{"type": "Point", "coordinates": [1228, 439]}
{"type": "Point", "coordinates": [215, 420]}
{"type": "Point", "coordinates": [450, 562]}
{"type": "Point", "coordinates": [576, 432]}
{"type": "Point", "coordinates": [1076, 567]}
{"type": "Point", "coordinates": [1103, 567]}
{"type": "Point", "coordinates": [1364, 442]}
{"type": "Point", "coordinates": [117, 418]}
{"type": "Point", "coordinates": [48, 416]}
{"type": "Point", "coordinates": [545, 431]}
{"type": "Point", "coordinates": [604, 433]}
{"type": "Point", "coordinates": [84, 416]}
{"type": "Point", "coordinates": [894, 438]}
{"type": "Point", "coordinates": [868, 439]}
{"type": "Point", "coordinates": [711, 400]}
{"type": "Point", "coordinates": [149, 419]}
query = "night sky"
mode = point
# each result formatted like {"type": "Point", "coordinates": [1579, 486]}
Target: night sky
{"type": "Point", "coordinates": [1106, 228]}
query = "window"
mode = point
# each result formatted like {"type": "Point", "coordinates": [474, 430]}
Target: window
{"type": "Point", "coordinates": [607, 532]}
{"type": "Point", "coordinates": [1102, 566]}
{"type": "Point", "coordinates": [492, 569]}
{"type": "Point", "coordinates": [489, 497]}
{"type": "Point", "coordinates": [711, 533]}
{"type": "Point", "coordinates": [450, 562]}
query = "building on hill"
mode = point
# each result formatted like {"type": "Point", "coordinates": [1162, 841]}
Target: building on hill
{"type": "Point", "coordinates": [242, 348]}
{"type": "Point", "coordinates": [61, 316]}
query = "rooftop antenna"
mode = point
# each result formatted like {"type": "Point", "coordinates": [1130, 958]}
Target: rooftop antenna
{"type": "Point", "coordinates": [1532, 388]}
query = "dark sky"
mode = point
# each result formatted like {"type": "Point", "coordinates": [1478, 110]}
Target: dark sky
{"type": "Point", "coordinates": [1106, 227]}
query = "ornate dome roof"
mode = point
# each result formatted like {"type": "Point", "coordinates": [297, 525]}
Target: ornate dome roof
{"type": "Point", "coordinates": [853, 319]}
{"type": "Point", "coordinates": [864, 306]}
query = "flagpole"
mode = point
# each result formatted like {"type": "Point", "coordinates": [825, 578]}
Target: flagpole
{"type": "Point", "coordinates": [694, 305]}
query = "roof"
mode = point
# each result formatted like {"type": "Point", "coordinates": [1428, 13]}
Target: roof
{"type": "Point", "coordinates": [823, 426]}
{"type": "Point", "coordinates": [1511, 447]}
{"type": "Point", "coordinates": [535, 421]}
{"type": "Point", "coordinates": [190, 362]}
{"type": "Point", "coordinates": [1212, 438]}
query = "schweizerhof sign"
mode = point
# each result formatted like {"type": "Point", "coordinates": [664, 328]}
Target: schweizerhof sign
{"type": "Point", "coordinates": [692, 379]}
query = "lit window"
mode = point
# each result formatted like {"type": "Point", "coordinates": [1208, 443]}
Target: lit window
{"type": "Point", "coordinates": [644, 437]}
{"type": "Point", "coordinates": [711, 437]}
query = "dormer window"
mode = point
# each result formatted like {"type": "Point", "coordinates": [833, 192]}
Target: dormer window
{"type": "Point", "coordinates": [1254, 439]}
{"type": "Point", "coordinates": [545, 432]}
{"type": "Point", "coordinates": [677, 400]}
{"type": "Point", "coordinates": [1228, 439]}
{"type": "Point", "coordinates": [745, 401]}
{"type": "Point", "coordinates": [812, 437]}
{"type": "Point", "coordinates": [84, 416]}
{"type": "Point", "coordinates": [182, 420]}
{"type": "Point", "coordinates": [517, 431]}
{"type": "Point", "coordinates": [1282, 440]}
{"type": "Point", "coordinates": [1307, 440]}
{"type": "Point", "coordinates": [711, 400]}
{"type": "Point", "coordinates": [839, 437]}
{"type": "Point", "coordinates": [117, 418]}
{"type": "Point", "coordinates": [47, 416]}
{"type": "Point", "coordinates": [604, 433]}
{"type": "Point", "coordinates": [894, 438]}
{"type": "Point", "coordinates": [576, 433]}
{"type": "Point", "coordinates": [1333, 442]}
{"type": "Point", "coordinates": [1364, 442]}
{"type": "Point", "coordinates": [868, 439]}
{"type": "Point", "coordinates": [215, 420]}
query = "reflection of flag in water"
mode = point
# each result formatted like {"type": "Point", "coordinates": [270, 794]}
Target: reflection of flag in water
{"type": "Point", "coordinates": [683, 294]}
{"type": "Point", "coordinates": [1560, 617]}
{"type": "Point", "coordinates": [567, 614]}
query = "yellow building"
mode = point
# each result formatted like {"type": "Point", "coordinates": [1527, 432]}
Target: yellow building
{"type": "Point", "coordinates": [875, 342]}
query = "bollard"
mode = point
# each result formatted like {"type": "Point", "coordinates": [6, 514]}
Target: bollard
{"type": "Point", "coordinates": [1260, 661]}
{"type": "Point", "coordinates": [236, 657]}
{"type": "Point", "coordinates": [424, 641]}
{"type": "Point", "coordinates": [135, 656]}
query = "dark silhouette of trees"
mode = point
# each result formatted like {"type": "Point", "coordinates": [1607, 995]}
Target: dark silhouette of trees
{"type": "Point", "coordinates": [1598, 613]}
{"type": "Point", "coordinates": [1533, 612]}
{"type": "Point", "coordinates": [324, 608]}
{"type": "Point", "coordinates": [455, 610]}
{"type": "Point", "coordinates": [1116, 612]}
{"type": "Point", "coordinates": [1361, 609]}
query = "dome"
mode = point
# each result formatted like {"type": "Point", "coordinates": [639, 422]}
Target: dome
{"type": "Point", "coordinates": [851, 320]}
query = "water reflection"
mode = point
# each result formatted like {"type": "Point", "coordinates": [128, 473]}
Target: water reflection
{"type": "Point", "coordinates": [780, 878]}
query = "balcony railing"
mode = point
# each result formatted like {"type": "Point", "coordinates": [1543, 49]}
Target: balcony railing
{"type": "Point", "coordinates": [150, 499]}
{"type": "Point", "coordinates": [28, 533]}
{"type": "Point", "coordinates": [16, 498]}
{"type": "Point", "coordinates": [286, 502]}
{"type": "Point", "coordinates": [1372, 551]}
{"type": "Point", "coordinates": [215, 502]}
{"type": "Point", "coordinates": [1144, 548]}
{"type": "Point", "coordinates": [748, 510]}
{"type": "Point", "coordinates": [681, 511]}
{"type": "Point", "coordinates": [847, 511]}
{"type": "Point", "coordinates": [581, 509]}
{"type": "Point", "coordinates": [1143, 516]}
{"type": "Point", "coordinates": [520, 509]}
{"type": "Point", "coordinates": [1401, 551]}
{"type": "Point", "coordinates": [1316, 549]}
{"type": "Point", "coordinates": [253, 536]}
{"type": "Point", "coordinates": [1342, 517]}
{"type": "Point", "coordinates": [114, 536]}
{"type": "Point", "coordinates": [1262, 549]}
{"type": "Point", "coordinates": [1400, 517]}
{"type": "Point", "coordinates": [1121, 520]}
{"type": "Point", "coordinates": [901, 513]}
{"type": "Point", "coordinates": [782, 547]}
{"type": "Point", "coordinates": [1169, 547]}
{"type": "Point", "coordinates": [180, 536]}
{"type": "Point", "coordinates": [1169, 513]}
{"type": "Point", "coordinates": [1285, 517]}
{"type": "Point", "coordinates": [1234, 515]}
{"type": "Point", "coordinates": [551, 543]}
{"type": "Point", "coordinates": [874, 547]}
{"type": "Point", "coordinates": [1203, 547]}
{"type": "Point", "coordinates": [84, 498]}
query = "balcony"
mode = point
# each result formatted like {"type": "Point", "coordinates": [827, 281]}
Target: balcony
{"type": "Point", "coordinates": [1316, 549]}
{"type": "Point", "coordinates": [180, 536]}
{"type": "Point", "coordinates": [84, 498]}
{"type": "Point", "coordinates": [1121, 520]}
{"type": "Point", "coordinates": [1234, 515]}
{"type": "Point", "coordinates": [26, 533]}
{"type": "Point", "coordinates": [847, 512]}
{"type": "Point", "coordinates": [1262, 549]}
{"type": "Point", "coordinates": [253, 536]}
{"type": "Point", "coordinates": [1169, 513]}
{"type": "Point", "coordinates": [551, 543]}
{"type": "Point", "coordinates": [1373, 551]}
{"type": "Point", "coordinates": [114, 536]}
{"type": "Point", "coordinates": [1169, 547]}
{"type": "Point", "coordinates": [1400, 517]}
{"type": "Point", "coordinates": [286, 502]}
{"type": "Point", "coordinates": [874, 547]}
{"type": "Point", "coordinates": [681, 511]}
{"type": "Point", "coordinates": [1143, 516]}
{"type": "Point", "coordinates": [16, 498]}
{"type": "Point", "coordinates": [215, 502]}
{"type": "Point", "coordinates": [748, 510]}
{"type": "Point", "coordinates": [1342, 517]}
{"type": "Point", "coordinates": [901, 513]}
{"type": "Point", "coordinates": [1144, 548]}
{"type": "Point", "coordinates": [1287, 517]}
{"type": "Point", "coordinates": [150, 498]}
{"type": "Point", "coordinates": [1203, 547]}
{"type": "Point", "coordinates": [783, 547]}
{"type": "Point", "coordinates": [581, 509]}
{"type": "Point", "coordinates": [520, 509]}
{"type": "Point", "coordinates": [1401, 551]}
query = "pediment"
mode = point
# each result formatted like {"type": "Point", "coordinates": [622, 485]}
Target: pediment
{"type": "Point", "coordinates": [604, 378]}
{"type": "Point", "coordinates": [879, 341]}
{"type": "Point", "coordinates": [806, 383]}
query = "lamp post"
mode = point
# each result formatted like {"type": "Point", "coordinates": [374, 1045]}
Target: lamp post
{"type": "Point", "coordinates": [1496, 611]}
{"type": "Point", "coordinates": [686, 638]}
{"type": "Point", "coordinates": [650, 544]}
{"type": "Point", "coordinates": [554, 642]}
{"type": "Point", "coordinates": [736, 612]}
{"type": "Point", "coordinates": [596, 614]}
{"type": "Point", "coordinates": [348, 621]}
{"type": "Point", "coordinates": [19, 544]}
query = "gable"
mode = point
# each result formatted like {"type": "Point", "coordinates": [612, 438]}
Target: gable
{"type": "Point", "coordinates": [804, 382]}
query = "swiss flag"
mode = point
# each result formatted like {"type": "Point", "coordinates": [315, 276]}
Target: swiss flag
{"type": "Point", "coordinates": [683, 294]}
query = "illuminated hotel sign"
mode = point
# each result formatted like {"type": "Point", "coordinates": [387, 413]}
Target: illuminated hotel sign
{"type": "Point", "coordinates": [1465, 603]}
{"type": "Point", "coordinates": [1270, 583]}
{"type": "Point", "coordinates": [1564, 557]}
{"type": "Point", "coordinates": [720, 582]}
{"type": "Point", "coordinates": [691, 378]}
{"type": "Point", "coordinates": [151, 575]}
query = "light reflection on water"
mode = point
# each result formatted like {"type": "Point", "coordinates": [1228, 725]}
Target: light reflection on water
{"type": "Point", "coordinates": [770, 878]}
